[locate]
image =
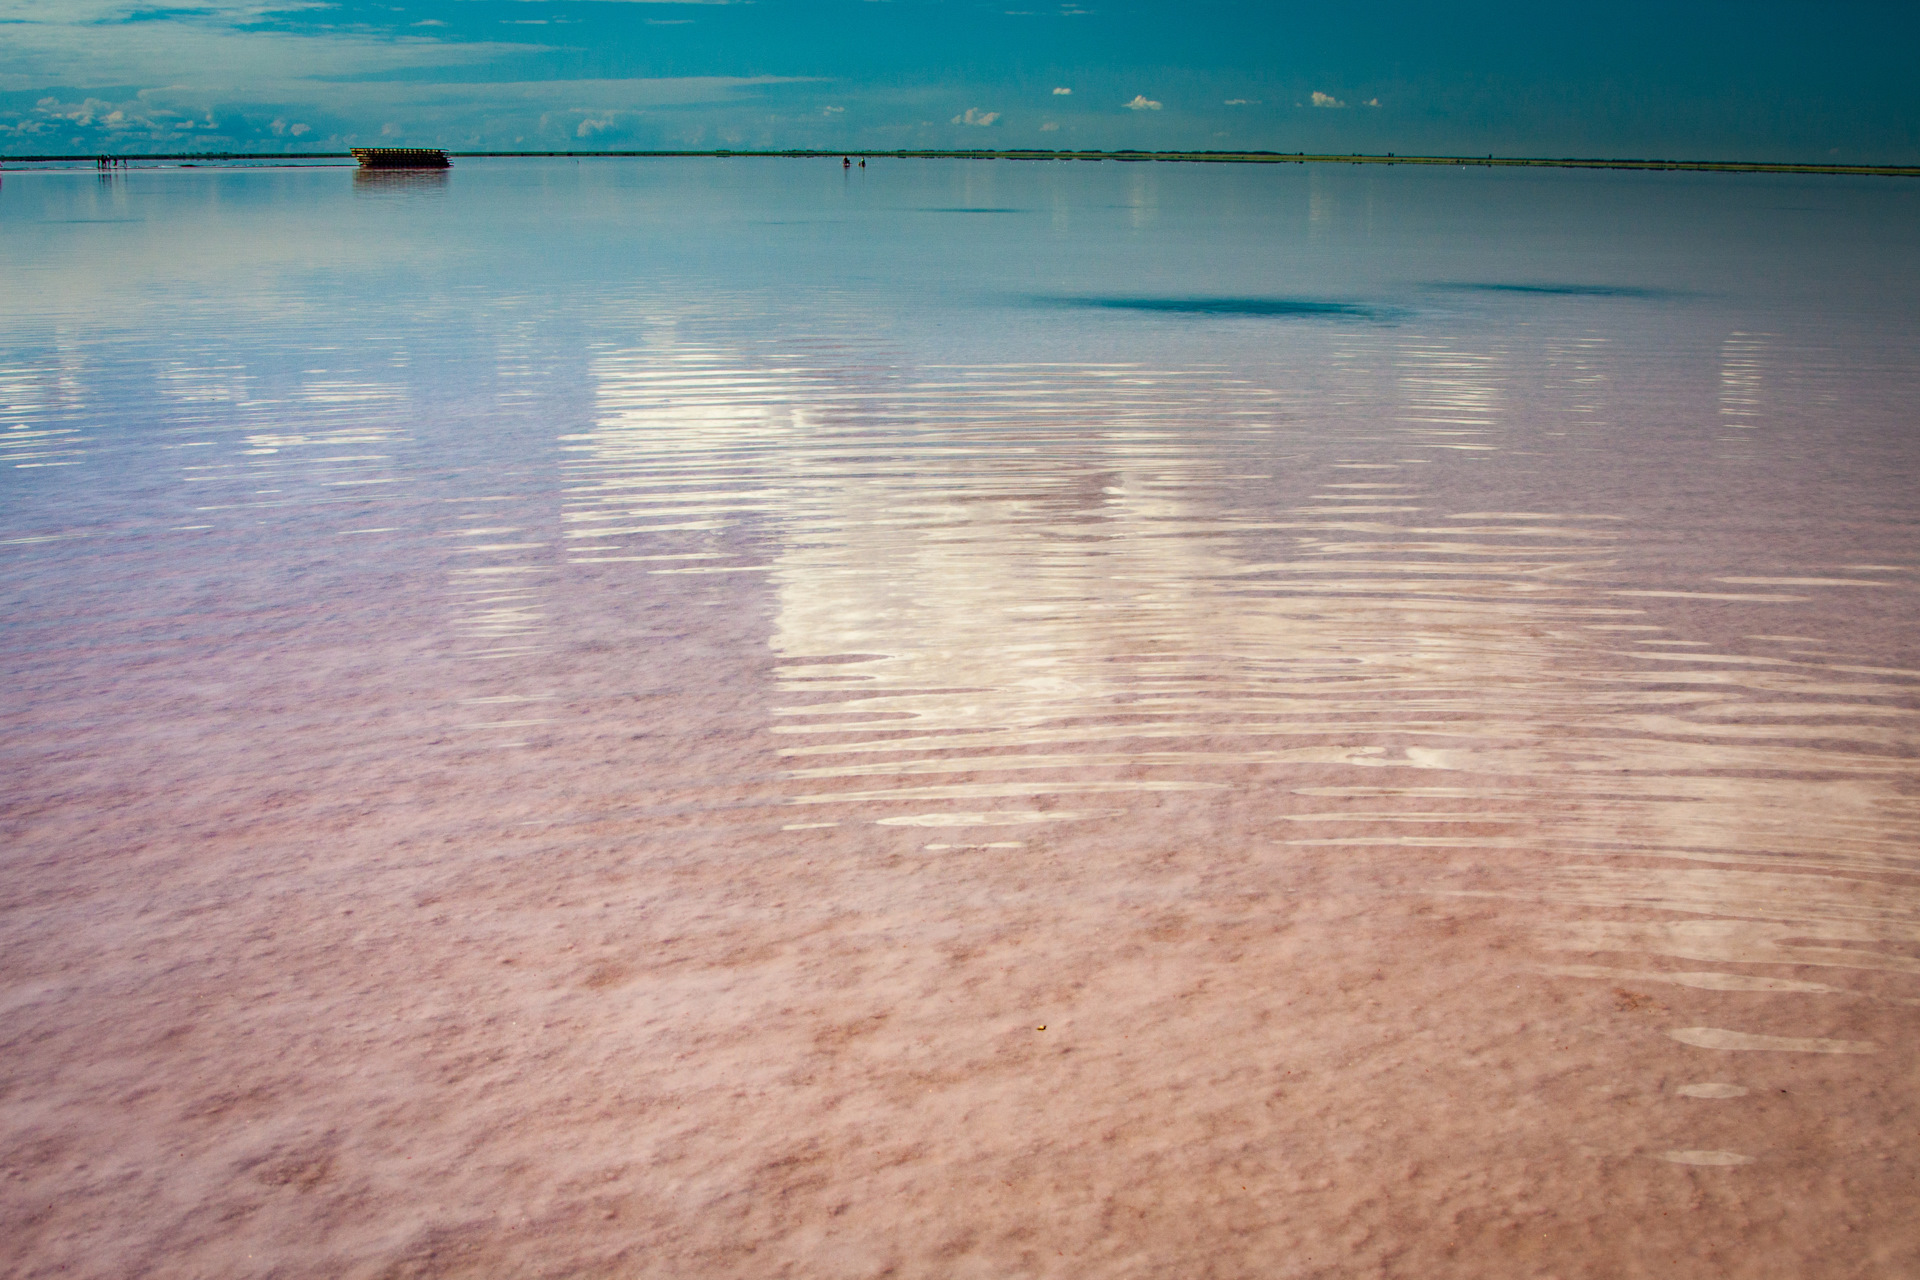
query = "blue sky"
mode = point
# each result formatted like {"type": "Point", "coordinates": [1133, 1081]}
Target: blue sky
{"type": "Point", "coordinates": [1759, 80]}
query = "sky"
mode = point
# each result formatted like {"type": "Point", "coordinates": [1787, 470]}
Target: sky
{"type": "Point", "coordinates": [1761, 80]}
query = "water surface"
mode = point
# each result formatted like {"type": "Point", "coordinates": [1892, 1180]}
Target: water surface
{"type": "Point", "coordinates": [712, 716]}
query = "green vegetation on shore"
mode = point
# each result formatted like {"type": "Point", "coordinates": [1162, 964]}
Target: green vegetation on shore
{"type": "Point", "coordinates": [1173, 157]}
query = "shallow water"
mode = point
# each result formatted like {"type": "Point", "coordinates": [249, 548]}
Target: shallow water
{"type": "Point", "coordinates": [581, 718]}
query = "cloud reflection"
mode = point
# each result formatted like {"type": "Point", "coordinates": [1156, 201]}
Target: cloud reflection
{"type": "Point", "coordinates": [1011, 595]}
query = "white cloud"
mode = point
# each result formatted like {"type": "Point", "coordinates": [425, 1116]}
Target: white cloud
{"type": "Point", "coordinates": [1372, 102]}
{"type": "Point", "coordinates": [1049, 127]}
{"type": "Point", "coordinates": [137, 120]}
{"type": "Point", "coordinates": [239, 60]}
{"type": "Point", "coordinates": [832, 111]}
{"type": "Point", "coordinates": [86, 114]}
{"type": "Point", "coordinates": [1141, 102]}
{"type": "Point", "coordinates": [1243, 102]}
{"type": "Point", "coordinates": [1061, 93]}
{"type": "Point", "coordinates": [974, 115]}
{"type": "Point", "coordinates": [334, 116]}
{"type": "Point", "coordinates": [1326, 100]}
{"type": "Point", "coordinates": [469, 114]}
{"type": "Point", "coordinates": [110, 12]}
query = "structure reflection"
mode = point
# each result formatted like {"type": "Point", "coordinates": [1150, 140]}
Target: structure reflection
{"type": "Point", "coordinates": [400, 182]}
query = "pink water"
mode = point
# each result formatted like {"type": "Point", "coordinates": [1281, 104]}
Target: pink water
{"type": "Point", "coordinates": [721, 719]}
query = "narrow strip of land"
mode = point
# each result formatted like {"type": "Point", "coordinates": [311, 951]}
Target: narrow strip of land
{"type": "Point", "coordinates": [1164, 157]}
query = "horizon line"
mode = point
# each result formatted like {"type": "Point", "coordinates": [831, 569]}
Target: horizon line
{"type": "Point", "coordinates": [1490, 160]}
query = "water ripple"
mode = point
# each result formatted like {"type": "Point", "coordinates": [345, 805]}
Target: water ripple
{"type": "Point", "coordinates": [1012, 595]}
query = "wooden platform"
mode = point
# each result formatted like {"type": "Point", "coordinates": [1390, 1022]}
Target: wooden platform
{"type": "Point", "coordinates": [401, 157]}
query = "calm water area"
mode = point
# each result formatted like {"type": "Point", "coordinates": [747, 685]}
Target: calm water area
{"type": "Point", "coordinates": [743, 718]}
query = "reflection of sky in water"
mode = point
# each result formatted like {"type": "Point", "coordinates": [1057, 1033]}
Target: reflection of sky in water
{"type": "Point", "coordinates": [1264, 516]}
{"type": "Point", "coordinates": [38, 407]}
{"type": "Point", "coordinates": [1010, 594]}
{"type": "Point", "coordinates": [999, 583]}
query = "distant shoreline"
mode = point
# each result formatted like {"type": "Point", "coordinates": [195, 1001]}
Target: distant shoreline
{"type": "Point", "coordinates": [1164, 157]}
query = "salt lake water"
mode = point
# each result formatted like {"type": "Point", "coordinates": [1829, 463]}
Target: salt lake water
{"type": "Point", "coordinates": [742, 717]}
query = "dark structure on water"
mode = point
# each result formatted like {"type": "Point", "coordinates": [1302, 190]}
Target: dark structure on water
{"type": "Point", "coordinates": [401, 157]}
